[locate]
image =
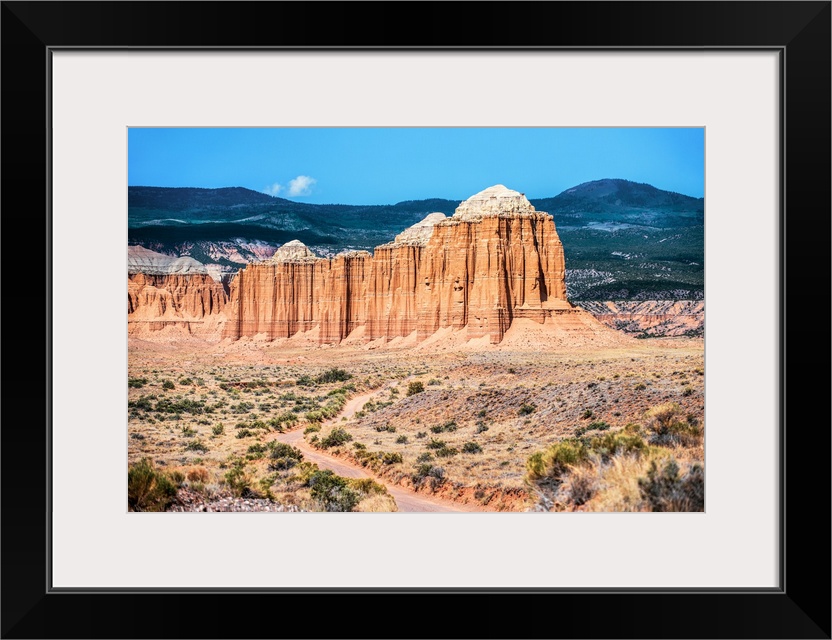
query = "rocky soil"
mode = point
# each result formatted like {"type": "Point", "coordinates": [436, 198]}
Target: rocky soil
{"type": "Point", "coordinates": [188, 501]}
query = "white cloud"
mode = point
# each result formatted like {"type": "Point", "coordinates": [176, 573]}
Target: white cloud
{"type": "Point", "coordinates": [300, 186]}
{"type": "Point", "coordinates": [274, 189]}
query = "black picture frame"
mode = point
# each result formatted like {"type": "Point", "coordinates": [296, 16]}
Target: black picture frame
{"type": "Point", "coordinates": [799, 608]}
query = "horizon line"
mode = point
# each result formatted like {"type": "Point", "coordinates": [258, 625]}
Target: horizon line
{"type": "Point", "coordinates": [145, 186]}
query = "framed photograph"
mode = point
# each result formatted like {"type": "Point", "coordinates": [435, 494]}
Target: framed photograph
{"type": "Point", "coordinates": [342, 341]}
{"type": "Point", "coordinates": [464, 270]}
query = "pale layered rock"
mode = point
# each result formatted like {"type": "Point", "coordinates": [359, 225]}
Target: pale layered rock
{"type": "Point", "coordinates": [420, 233]}
{"type": "Point", "coordinates": [494, 201]}
{"type": "Point", "coordinates": [651, 317]}
{"type": "Point", "coordinates": [141, 260]}
{"type": "Point", "coordinates": [293, 251]}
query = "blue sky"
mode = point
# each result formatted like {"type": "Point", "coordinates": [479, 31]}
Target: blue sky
{"type": "Point", "coordinates": [388, 165]}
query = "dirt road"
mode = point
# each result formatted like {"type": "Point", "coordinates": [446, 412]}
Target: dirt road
{"type": "Point", "coordinates": [406, 500]}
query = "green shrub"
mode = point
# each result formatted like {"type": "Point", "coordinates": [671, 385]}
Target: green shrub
{"type": "Point", "coordinates": [433, 382]}
{"type": "Point", "coordinates": [435, 444]}
{"type": "Point", "coordinates": [401, 440]}
{"type": "Point", "coordinates": [142, 404]}
{"type": "Point", "coordinates": [197, 445]}
{"type": "Point", "coordinates": [446, 452]}
{"type": "Point", "coordinates": [526, 409]}
{"type": "Point", "coordinates": [471, 447]}
{"type": "Point", "coordinates": [593, 426]}
{"type": "Point", "coordinates": [287, 418]}
{"type": "Point", "coordinates": [667, 425]}
{"type": "Point", "coordinates": [444, 428]}
{"type": "Point", "coordinates": [282, 464]}
{"type": "Point", "coordinates": [283, 456]}
{"type": "Point", "coordinates": [185, 405]}
{"type": "Point", "coordinates": [136, 383]}
{"type": "Point", "coordinates": [415, 387]}
{"type": "Point", "coordinates": [347, 388]}
{"type": "Point", "coordinates": [427, 470]}
{"type": "Point", "coordinates": [242, 407]}
{"type": "Point", "coordinates": [335, 438]}
{"type": "Point", "coordinates": [586, 414]}
{"type": "Point", "coordinates": [333, 375]}
{"type": "Point", "coordinates": [332, 491]}
{"type": "Point", "coordinates": [238, 481]}
{"type": "Point", "coordinates": [167, 385]}
{"type": "Point", "coordinates": [555, 460]}
{"type": "Point", "coordinates": [283, 450]}
{"type": "Point", "coordinates": [147, 488]}
{"type": "Point", "coordinates": [640, 386]}
{"type": "Point", "coordinates": [481, 427]}
{"type": "Point", "coordinates": [245, 433]}
{"type": "Point", "coordinates": [632, 428]}
{"type": "Point", "coordinates": [391, 458]}
{"type": "Point", "coordinates": [218, 429]}
{"type": "Point", "coordinates": [618, 443]}
{"type": "Point", "coordinates": [367, 486]}
{"type": "Point", "coordinates": [666, 490]}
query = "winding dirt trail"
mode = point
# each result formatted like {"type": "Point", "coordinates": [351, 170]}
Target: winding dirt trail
{"type": "Point", "coordinates": [406, 500]}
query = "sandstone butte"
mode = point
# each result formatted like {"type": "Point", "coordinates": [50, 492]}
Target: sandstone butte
{"type": "Point", "coordinates": [496, 260]}
{"type": "Point", "coordinates": [163, 291]}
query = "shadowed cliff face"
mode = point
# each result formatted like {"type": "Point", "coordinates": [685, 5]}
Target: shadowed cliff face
{"type": "Point", "coordinates": [494, 260]}
{"type": "Point", "coordinates": [163, 291]}
{"type": "Point", "coordinates": [194, 302]}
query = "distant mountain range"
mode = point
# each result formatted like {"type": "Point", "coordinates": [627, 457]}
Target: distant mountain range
{"type": "Point", "coordinates": [623, 240]}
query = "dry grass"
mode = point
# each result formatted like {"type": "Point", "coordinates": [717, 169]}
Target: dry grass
{"type": "Point", "coordinates": [618, 471]}
{"type": "Point", "coordinates": [481, 392]}
{"type": "Point", "coordinates": [376, 504]}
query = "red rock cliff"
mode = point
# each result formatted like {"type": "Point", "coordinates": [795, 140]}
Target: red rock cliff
{"type": "Point", "coordinates": [495, 260]}
{"type": "Point", "coordinates": [171, 292]}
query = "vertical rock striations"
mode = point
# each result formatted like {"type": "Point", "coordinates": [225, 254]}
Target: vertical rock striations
{"type": "Point", "coordinates": [494, 260]}
{"type": "Point", "coordinates": [163, 291]}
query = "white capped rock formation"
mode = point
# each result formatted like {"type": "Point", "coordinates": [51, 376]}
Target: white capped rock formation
{"type": "Point", "coordinates": [496, 263]}
{"type": "Point", "coordinates": [141, 260]}
{"type": "Point", "coordinates": [292, 251]}
{"type": "Point", "coordinates": [495, 260]}
{"type": "Point", "coordinates": [420, 233]}
{"type": "Point", "coordinates": [494, 201]}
